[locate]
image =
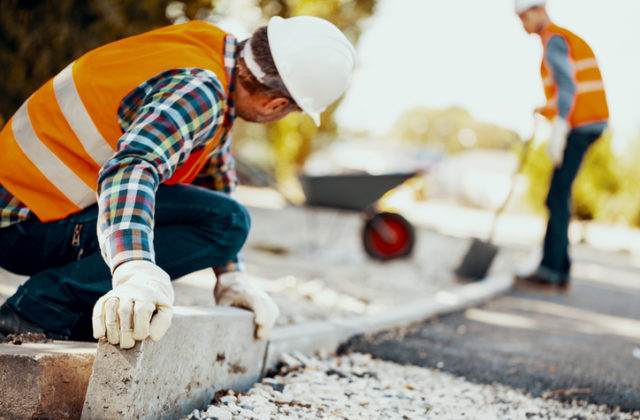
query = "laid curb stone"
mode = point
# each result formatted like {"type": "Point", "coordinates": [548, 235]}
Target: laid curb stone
{"type": "Point", "coordinates": [327, 336]}
{"type": "Point", "coordinates": [44, 380]}
{"type": "Point", "coordinates": [207, 348]}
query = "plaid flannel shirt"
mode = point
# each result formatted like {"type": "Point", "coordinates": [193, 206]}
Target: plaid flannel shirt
{"type": "Point", "coordinates": [163, 120]}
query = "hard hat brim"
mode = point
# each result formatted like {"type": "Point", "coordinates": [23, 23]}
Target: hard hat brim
{"type": "Point", "coordinates": [292, 41]}
{"type": "Point", "coordinates": [273, 28]}
{"type": "Point", "coordinates": [315, 116]}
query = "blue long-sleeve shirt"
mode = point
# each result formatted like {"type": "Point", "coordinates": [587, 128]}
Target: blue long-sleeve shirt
{"type": "Point", "coordinates": [557, 55]}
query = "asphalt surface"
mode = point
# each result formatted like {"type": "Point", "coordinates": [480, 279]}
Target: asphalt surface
{"type": "Point", "coordinates": [583, 344]}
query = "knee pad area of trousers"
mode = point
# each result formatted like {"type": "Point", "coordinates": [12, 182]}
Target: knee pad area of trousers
{"type": "Point", "coordinates": [233, 235]}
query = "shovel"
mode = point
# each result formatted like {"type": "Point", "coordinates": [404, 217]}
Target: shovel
{"type": "Point", "coordinates": [480, 255]}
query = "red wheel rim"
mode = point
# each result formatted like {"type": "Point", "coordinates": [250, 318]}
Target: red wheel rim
{"type": "Point", "coordinates": [397, 238]}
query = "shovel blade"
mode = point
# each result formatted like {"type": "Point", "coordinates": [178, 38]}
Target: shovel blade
{"type": "Point", "coordinates": [477, 260]}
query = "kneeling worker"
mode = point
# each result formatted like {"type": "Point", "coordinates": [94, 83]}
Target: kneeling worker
{"type": "Point", "coordinates": [116, 175]}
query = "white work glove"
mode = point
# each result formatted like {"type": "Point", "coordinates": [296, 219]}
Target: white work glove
{"type": "Point", "coordinates": [236, 289]}
{"type": "Point", "coordinates": [558, 140]}
{"type": "Point", "coordinates": [140, 305]}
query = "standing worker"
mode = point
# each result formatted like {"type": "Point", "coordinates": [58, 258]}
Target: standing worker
{"type": "Point", "coordinates": [95, 201]}
{"type": "Point", "coordinates": [577, 106]}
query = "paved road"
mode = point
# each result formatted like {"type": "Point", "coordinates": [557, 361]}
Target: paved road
{"type": "Point", "coordinates": [584, 344]}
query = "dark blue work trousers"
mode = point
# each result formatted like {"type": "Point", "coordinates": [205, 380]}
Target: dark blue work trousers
{"type": "Point", "coordinates": [555, 254]}
{"type": "Point", "coordinates": [195, 228]}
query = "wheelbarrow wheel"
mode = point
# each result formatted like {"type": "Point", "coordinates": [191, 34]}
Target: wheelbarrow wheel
{"type": "Point", "coordinates": [387, 236]}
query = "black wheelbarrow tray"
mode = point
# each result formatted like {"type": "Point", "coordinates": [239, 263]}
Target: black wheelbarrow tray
{"type": "Point", "coordinates": [385, 235]}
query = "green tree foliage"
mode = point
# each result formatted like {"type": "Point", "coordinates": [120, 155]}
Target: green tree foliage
{"type": "Point", "coordinates": [40, 37]}
{"type": "Point", "coordinates": [450, 130]}
{"type": "Point", "coordinates": [627, 206]}
{"type": "Point", "coordinates": [537, 170]}
{"type": "Point", "coordinates": [345, 14]}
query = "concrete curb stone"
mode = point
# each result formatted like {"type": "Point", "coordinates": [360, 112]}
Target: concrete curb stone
{"type": "Point", "coordinates": [183, 371]}
{"type": "Point", "coordinates": [328, 335]}
{"type": "Point", "coordinates": [44, 380]}
{"type": "Point", "coordinates": [206, 349]}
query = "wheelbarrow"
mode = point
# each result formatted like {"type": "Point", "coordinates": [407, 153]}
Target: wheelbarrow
{"type": "Point", "coordinates": [385, 235]}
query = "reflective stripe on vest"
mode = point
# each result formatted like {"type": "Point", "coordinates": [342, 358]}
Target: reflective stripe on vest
{"type": "Point", "coordinates": [581, 86]}
{"type": "Point", "coordinates": [78, 117]}
{"type": "Point", "coordinates": [590, 103]}
{"type": "Point", "coordinates": [51, 166]}
{"type": "Point", "coordinates": [56, 143]}
{"type": "Point", "coordinates": [585, 63]}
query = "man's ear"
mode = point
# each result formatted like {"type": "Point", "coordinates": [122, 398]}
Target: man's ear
{"type": "Point", "coordinates": [274, 105]}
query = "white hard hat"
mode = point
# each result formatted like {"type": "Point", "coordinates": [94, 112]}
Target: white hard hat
{"type": "Point", "coordinates": [524, 5]}
{"type": "Point", "coordinates": [314, 60]}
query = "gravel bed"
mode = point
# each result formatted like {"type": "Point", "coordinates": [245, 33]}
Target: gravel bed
{"type": "Point", "coordinates": [356, 386]}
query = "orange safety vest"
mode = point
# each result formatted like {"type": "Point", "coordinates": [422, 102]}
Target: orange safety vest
{"type": "Point", "coordinates": [590, 102]}
{"type": "Point", "coordinates": [56, 143]}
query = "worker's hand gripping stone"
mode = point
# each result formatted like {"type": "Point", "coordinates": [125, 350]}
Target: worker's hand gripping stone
{"type": "Point", "coordinates": [140, 305]}
{"type": "Point", "coordinates": [558, 140]}
{"type": "Point", "coordinates": [237, 289]}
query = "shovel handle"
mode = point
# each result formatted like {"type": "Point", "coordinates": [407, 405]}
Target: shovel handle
{"type": "Point", "coordinates": [523, 159]}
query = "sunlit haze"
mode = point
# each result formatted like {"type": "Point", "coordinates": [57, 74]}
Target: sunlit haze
{"type": "Point", "coordinates": [475, 54]}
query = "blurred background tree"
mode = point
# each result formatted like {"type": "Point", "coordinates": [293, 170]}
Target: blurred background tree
{"type": "Point", "coordinates": [628, 199]}
{"type": "Point", "coordinates": [450, 130]}
{"type": "Point", "coordinates": [40, 37]}
{"type": "Point", "coordinates": [606, 188]}
{"type": "Point", "coordinates": [537, 170]}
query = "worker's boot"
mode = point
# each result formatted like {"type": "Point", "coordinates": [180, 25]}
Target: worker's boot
{"type": "Point", "coordinates": [11, 322]}
{"type": "Point", "coordinates": [539, 283]}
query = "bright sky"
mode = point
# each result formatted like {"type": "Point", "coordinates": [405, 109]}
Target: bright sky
{"type": "Point", "coordinates": [475, 54]}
